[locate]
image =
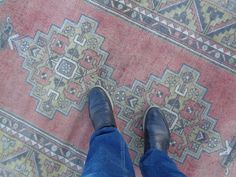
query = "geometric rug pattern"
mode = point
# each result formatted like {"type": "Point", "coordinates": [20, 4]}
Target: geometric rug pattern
{"type": "Point", "coordinates": [74, 63]}
{"type": "Point", "coordinates": [200, 26]}
{"type": "Point", "coordinates": [60, 64]}
{"type": "Point", "coordinates": [80, 51]}
{"type": "Point", "coordinates": [181, 99]}
{"type": "Point", "coordinates": [28, 151]}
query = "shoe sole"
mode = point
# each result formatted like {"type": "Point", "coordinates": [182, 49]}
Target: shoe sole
{"type": "Point", "coordinates": [165, 121]}
{"type": "Point", "coordinates": [107, 94]}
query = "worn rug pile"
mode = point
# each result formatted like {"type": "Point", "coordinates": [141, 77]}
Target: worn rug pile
{"type": "Point", "coordinates": [179, 55]}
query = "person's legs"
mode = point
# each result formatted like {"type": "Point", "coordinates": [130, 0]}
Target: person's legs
{"type": "Point", "coordinates": [108, 154]}
{"type": "Point", "coordinates": [155, 161]}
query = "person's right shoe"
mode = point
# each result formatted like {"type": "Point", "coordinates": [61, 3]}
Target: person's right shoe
{"type": "Point", "coordinates": [100, 108]}
{"type": "Point", "coordinates": [156, 130]}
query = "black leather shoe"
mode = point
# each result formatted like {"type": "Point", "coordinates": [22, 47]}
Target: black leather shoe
{"type": "Point", "coordinates": [100, 109]}
{"type": "Point", "coordinates": [156, 130]}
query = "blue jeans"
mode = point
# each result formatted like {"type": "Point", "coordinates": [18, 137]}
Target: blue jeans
{"type": "Point", "coordinates": [108, 156]}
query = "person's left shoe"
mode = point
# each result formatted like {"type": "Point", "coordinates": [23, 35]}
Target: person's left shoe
{"type": "Point", "coordinates": [100, 109]}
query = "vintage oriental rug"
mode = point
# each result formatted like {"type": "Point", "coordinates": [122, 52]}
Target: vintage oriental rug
{"type": "Point", "coordinates": [177, 55]}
